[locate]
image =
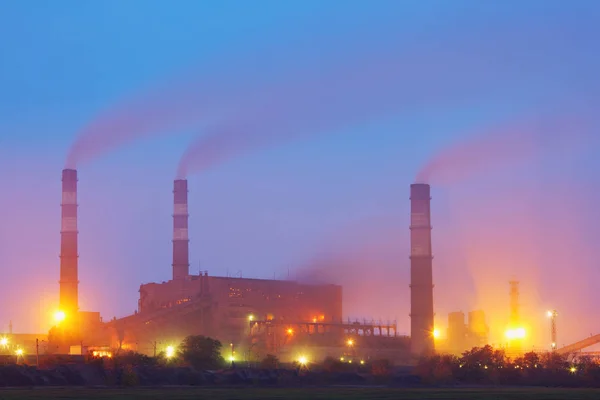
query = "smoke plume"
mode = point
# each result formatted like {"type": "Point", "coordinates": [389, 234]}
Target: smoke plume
{"type": "Point", "coordinates": [511, 143]}
{"type": "Point", "coordinates": [286, 94]}
{"type": "Point", "coordinates": [371, 84]}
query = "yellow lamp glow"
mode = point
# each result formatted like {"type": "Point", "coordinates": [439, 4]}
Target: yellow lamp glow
{"type": "Point", "coordinates": [59, 316]}
{"type": "Point", "coordinates": [170, 352]}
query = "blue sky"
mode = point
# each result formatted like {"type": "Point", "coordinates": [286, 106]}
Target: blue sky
{"type": "Point", "coordinates": [63, 63]}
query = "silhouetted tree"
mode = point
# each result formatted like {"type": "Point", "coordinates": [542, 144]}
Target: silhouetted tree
{"type": "Point", "coordinates": [437, 369]}
{"type": "Point", "coordinates": [269, 362]}
{"type": "Point", "coordinates": [201, 352]}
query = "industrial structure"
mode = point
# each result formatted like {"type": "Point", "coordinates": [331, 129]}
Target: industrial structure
{"type": "Point", "coordinates": [461, 336]}
{"type": "Point", "coordinates": [181, 258]}
{"type": "Point", "coordinates": [421, 274]}
{"type": "Point", "coordinates": [552, 314]}
{"type": "Point", "coordinates": [68, 296]}
{"type": "Point", "coordinates": [250, 314]}
{"type": "Point", "coordinates": [72, 324]}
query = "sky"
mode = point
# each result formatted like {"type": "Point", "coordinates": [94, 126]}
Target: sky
{"type": "Point", "coordinates": [333, 202]}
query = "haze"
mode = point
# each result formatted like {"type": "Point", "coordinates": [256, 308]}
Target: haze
{"type": "Point", "coordinates": [332, 206]}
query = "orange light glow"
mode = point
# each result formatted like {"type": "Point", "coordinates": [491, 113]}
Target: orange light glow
{"type": "Point", "coordinates": [170, 352]}
{"type": "Point", "coordinates": [350, 342]}
{"type": "Point", "coordinates": [436, 333]}
{"type": "Point", "coordinates": [290, 331]}
{"type": "Point", "coordinates": [60, 316]}
{"type": "Point", "coordinates": [516, 333]}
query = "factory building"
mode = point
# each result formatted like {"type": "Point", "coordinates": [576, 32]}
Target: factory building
{"type": "Point", "coordinates": [230, 303]}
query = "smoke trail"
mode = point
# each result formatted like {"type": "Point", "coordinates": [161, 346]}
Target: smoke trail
{"type": "Point", "coordinates": [450, 66]}
{"type": "Point", "coordinates": [318, 103]}
{"type": "Point", "coordinates": [128, 123]}
{"type": "Point", "coordinates": [368, 85]}
{"type": "Point", "coordinates": [512, 143]}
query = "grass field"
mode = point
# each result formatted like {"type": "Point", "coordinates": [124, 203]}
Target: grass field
{"type": "Point", "coordinates": [298, 393]}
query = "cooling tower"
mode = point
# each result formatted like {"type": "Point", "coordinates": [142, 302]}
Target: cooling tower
{"type": "Point", "coordinates": [68, 297]}
{"type": "Point", "coordinates": [421, 275]}
{"type": "Point", "coordinates": [181, 258]}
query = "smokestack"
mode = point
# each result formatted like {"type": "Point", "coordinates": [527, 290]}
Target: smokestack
{"type": "Point", "coordinates": [421, 274]}
{"type": "Point", "coordinates": [181, 258]}
{"type": "Point", "coordinates": [68, 298]}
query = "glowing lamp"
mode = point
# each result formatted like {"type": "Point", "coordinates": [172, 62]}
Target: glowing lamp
{"type": "Point", "coordinates": [4, 342]}
{"type": "Point", "coordinates": [350, 342]}
{"type": "Point", "coordinates": [19, 352]}
{"type": "Point", "coordinates": [516, 333]}
{"type": "Point", "coordinates": [250, 317]}
{"type": "Point", "coordinates": [60, 316]}
{"type": "Point", "coordinates": [302, 360]}
{"type": "Point", "coordinates": [290, 331]}
{"type": "Point", "coordinates": [170, 352]}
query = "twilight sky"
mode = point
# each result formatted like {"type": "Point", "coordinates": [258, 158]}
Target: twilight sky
{"type": "Point", "coordinates": [444, 79]}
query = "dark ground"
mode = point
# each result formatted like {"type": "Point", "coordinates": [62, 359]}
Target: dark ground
{"type": "Point", "coordinates": [333, 393]}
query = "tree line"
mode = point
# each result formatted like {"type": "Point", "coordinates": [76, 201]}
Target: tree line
{"type": "Point", "coordinates": [486, 365]}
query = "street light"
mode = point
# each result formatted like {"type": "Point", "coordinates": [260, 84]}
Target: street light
{"type": "Point", "coordinates": [4, 342]}
{"type": "Point", "coordinates": [19, 353]}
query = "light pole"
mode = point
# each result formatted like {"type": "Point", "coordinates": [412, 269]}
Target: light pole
{"type": "Point", "coordinates": [552, 315]}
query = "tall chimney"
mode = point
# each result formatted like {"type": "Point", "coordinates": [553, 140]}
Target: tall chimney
{"type": "Point", "coordinates": [181, 258]}
{"type": "Point", "coordinates": [421, 274]}
{"type": "Point", "coordinates": [68, 298]}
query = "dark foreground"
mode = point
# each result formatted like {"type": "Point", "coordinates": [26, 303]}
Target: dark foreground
{"type": "Point", "coordinates": [333, 393]}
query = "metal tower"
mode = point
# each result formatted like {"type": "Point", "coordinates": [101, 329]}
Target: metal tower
{"type": "Point", "coordinates": [514, 302]}
{"type": "Point", "coordinates": [552, 315]}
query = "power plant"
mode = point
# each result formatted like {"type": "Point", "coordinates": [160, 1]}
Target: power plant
{"type": "Point", "coordinates": [260, 316]}
{"type": "Point", "coordinates": [257, 316]}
